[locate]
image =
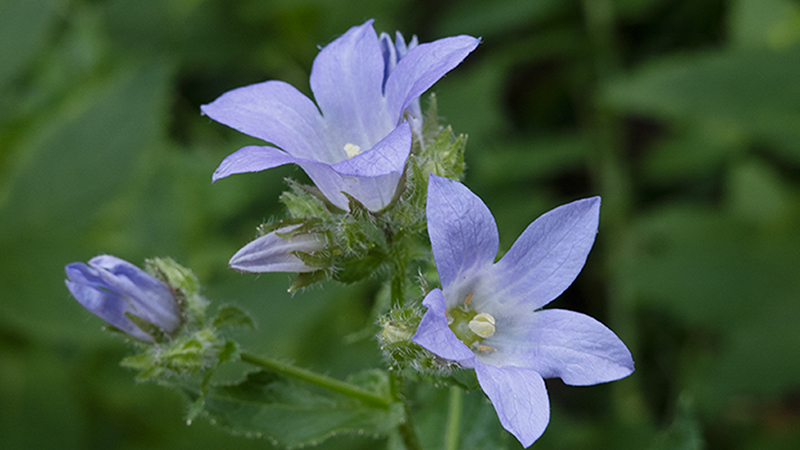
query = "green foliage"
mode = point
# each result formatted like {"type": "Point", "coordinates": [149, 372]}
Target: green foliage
{"type": "Point", "coordinates": [270, 406]}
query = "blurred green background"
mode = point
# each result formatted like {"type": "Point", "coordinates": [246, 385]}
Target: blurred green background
{"type": "Point", "coordinates": [683, 114]}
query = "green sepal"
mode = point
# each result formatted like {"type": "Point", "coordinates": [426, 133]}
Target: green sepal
{"type": "Point", "coordinates": [185, 287]}
{"type": "Point", "coordinates": [307, 201]}
{"type": "Point", "coordinates": [233, 316]}
{"type": "Point", "coordinates": [156, 332]}
{"type": "Point", "coordinates": [306, 279]}
{"type": "Point", "coordinates": [273, 407]}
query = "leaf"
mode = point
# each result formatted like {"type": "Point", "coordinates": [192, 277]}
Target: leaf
{"type": "Point", "coordinates": [684, 433]}
{"type": "Point", "coordinates": [233, 316]}
{"type": "Point", "coordinates": [760, 23]}
{"type": "Point", "coordinates": [749, 92]}
{"type": "Point", "coordinates": [273, 407]}
{"type": "Point", "coordinates": [24, 29]}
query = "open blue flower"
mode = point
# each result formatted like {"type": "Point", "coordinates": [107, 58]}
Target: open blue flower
{"type": "Point", "coordinates": [110, 288]}
{"type": "Point", "coordinates": [359, 142]}
{"type": "Point", "coordinates": [487, 315]}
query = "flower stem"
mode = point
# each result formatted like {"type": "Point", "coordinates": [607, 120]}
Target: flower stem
{"type": "Point", "coordinates": [406, 427]}
{"type": "Point", "coordinates": [453, 418]}
{"type": "Point", "coordinates": [612, 174]}
{"type": "Point", "coordinates": [316, 379]}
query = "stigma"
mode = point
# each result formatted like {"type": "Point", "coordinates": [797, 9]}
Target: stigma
{"type": "Point", "coordinates": [351, 150]}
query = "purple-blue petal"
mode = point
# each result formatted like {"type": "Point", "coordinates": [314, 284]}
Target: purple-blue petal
{"type": "Point", "coordinates": [150, 298]}
{"type": "Point", "coordinates": [273, 253]}
{"type": "Point", "coordinates": [85, 284]}
{"type": "Point", "coordinates": [520, 398]}
{"type": "Point", "coordinates": [548, 255]}
{"type": "Point", "coordinates": [423, 66]}
{"type": "Point", "coordinates": [347, 79]}
{"type": "Point", "coordinates": [435, 335]}
{"type": "Point", "coordinates": [387, 156]}
{"type": "Point", "coordinates": [564, 344]}
{"type": "Point", "coordinates": [278, 113]}
{"type": "Point", "coordinates": [251, 159]}
{"type": "Point", "coordinates": [462, 231]}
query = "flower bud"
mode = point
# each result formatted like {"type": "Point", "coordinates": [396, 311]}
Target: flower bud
{"type": "Point", "coordinates": [125, 296]}
{"type": "Point", "coordinates": [278, 250]}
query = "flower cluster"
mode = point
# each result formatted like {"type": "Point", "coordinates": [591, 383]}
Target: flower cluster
{"type": "Point", "coordinates": [363, 143]}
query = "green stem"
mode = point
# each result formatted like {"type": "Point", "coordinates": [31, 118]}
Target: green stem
{"type": "Point", "coordinates": [406, 427]}
{"type": "Point", "coordinates": [316, 379]}
{"type": "Point", "coordinates": [612, 173]}
{"type": "Point", "coordinates": [453, 418]}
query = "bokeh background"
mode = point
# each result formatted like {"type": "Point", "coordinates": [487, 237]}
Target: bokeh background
{"type": "Point", "coordinates": [683, 114]}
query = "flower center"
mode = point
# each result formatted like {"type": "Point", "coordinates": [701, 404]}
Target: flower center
{"type": "Point", "coordinates": [469, 326]}
{"type": "Point", "coordinates": [351, 150]}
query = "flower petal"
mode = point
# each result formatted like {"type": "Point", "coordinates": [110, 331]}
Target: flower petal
{"type": "Point", "coordinates": [251, 159]}
{"type": "Point", "coordinates": [423, 66]}
{"type": "Point", "coordinates": [347, 79]}
{"type": "Point", "coordinates": [435, 335]}
{"type": "Point", "coordinates": [272, 253]}
{"type": "Point", "coordinates": [462, 230]}
{"type": "Point", "coordinates": [520, 398]}
{"type": "Point", "coordinates": [548, 255]}
{"type": "Point", "coordinates": [564, 344]}
{"type": "Point", "coordinates": [278, 113]}
{"type": "Point", "coordinates": [151, 299]}
{"type": "Point", "coordinates": [87, 288]}
{"type": "Point", "coordinates": [387, 156]}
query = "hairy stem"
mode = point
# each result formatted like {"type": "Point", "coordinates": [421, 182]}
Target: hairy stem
{"type": "Point", "coordinates": [406, 427]}
{"type": "Point", "coordinates": [316, 379]}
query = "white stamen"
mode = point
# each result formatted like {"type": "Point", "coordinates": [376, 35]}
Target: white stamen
{"type": "Point", "coordinates": [483, 325]}
{"type": "Point", "coordinates": [351, 150]}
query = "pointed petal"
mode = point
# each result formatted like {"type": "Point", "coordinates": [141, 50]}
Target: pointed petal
{"type": "Point", "coordinates": [251, 159]}
{"type": "Point", "coordinates": [272, 253]}
{"type": "Point", "coordinates": [435, 335]}
{"type": "Point", "coordinates": [423, 66]}
{"type": "Point", "coordinates": [462, 230]}
{"type": "Point", "coordinates": [347, 80]}
{"type": "Point", "coordinates": [387, 156]}
{"type": "Point", "coordinates": [564, 344]}
{"type": "Point", "coordinates": [89, 291]}
{"type": "Point", "coordinates": [150, 298]}
{"type": "Point", "coordinates": [278, 113]}
{"type": "Point", "coordinates": [548, 255]}
{"type": "Point", "coordinates": [370, 177]}
{"type": "Point", "coordinates": [520, 398]}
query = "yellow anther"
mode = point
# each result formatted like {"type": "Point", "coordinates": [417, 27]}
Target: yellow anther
{"type": "Point", "coordinates": [351, 150]}
{"type": "Point", "coordinates": [468, 300]}
{"type": "Point", "coordinates": [486, 348]}
{"type": "Point", "coordinates": [483, 325]}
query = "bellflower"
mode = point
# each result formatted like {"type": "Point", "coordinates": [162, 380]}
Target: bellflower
{"type": "Point", "coordinates": [275, 252]}
{"type": "Point", "coordinates": [487, 315]}
{"type": "Point", "coordinates": [357, 141]}
{"type": "Point", "coordinates": [110, 288]}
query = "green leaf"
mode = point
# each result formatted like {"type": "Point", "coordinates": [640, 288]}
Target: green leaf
{"type": "Point", "coordinates": [684, 433]}
{"type": "Point", "coordinates": [24, 29]}
{"type": "Point", "coordinates": [748, 92]}
{"type": "Point", "coordinates": [233, 316]}
{"type": "Point", "coordinates": [273, 407]}
{"type": "Point", "coordinates": [764, 23]}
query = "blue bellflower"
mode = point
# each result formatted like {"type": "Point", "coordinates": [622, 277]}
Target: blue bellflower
{"type": "Point", "coordinates": [357, 142]}
{"type": "Point", "coordinates": [487, 315]}
{"type": "Point", "coordinates": [110, 287]}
